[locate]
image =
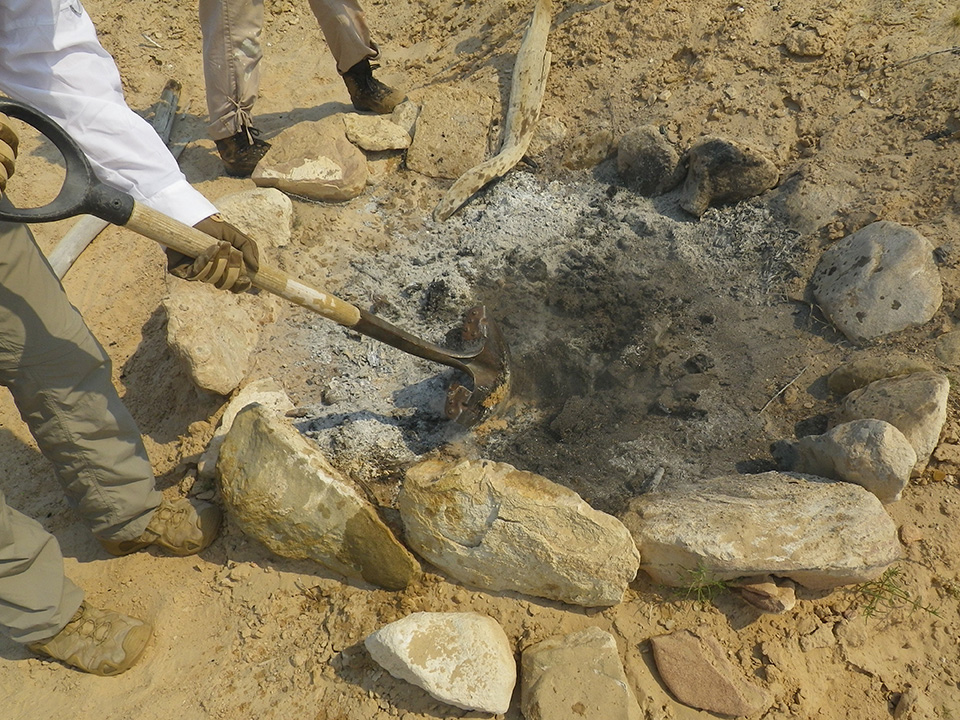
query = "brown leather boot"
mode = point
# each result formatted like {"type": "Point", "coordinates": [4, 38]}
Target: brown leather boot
{"type": "Point", "coordinates": [181, 527]}
{"type": "Point", "coordinates": [102, 642]}
{"type": "Point", "coordinates": [368, 93]}
{"type": "Point", "coordinates": [241, 152]}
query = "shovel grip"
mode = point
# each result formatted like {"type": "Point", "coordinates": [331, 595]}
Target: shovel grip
{"type": "Point", "coordinates": [190, 241]}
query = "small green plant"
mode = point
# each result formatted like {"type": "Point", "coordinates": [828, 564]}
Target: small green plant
{"type": "Point", "coordinates": [888, 593]}
{"type": "Point", "coordinates": [703, 587]}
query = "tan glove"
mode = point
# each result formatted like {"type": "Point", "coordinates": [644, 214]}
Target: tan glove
{"type": "Point", "coordinates": [9, 143]}
{"type": "Point", "coordinates": [224, 264]}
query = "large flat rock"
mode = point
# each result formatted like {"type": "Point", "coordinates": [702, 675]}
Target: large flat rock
{"type": "Point", "coordinates": [499, 528]}
{"type": "Point", "coordinates": [821, 534]}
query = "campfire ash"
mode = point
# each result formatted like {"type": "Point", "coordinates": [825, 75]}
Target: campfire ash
{"type": "Point", "coordinates": [643, 344]}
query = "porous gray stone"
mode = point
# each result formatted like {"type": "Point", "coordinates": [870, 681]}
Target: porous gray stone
{"type": "Point", "coordinates": [948, 348]}
{"type": "Point", "coordinates": [463, 659]}
{"type": "Point", "coordinates": [549, 133]}
{"type": "Point", "coordinates": [499, 528]}
{"type": "Point", "coordinates": [915, 404]}
{"type": "Point", "coordinates": [576, 676]}
{"type": "Point", "coordinates": [721, 171]}
{"type": "Point", "coordinates": [878, 280]}
{"type": "Point", "coordinates": [587, 151]}
{"type": "Point", "coordinates": [282, 491]}
{"type": "Point", "coordinates": [819, 533]}
{"type": "Point", "coordinates": [696, 670]}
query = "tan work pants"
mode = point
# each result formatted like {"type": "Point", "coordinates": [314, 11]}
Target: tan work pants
{"type": "Point", "coordinates": [60, 378]}
{"type": "Point", "coordinates": [231, 53]}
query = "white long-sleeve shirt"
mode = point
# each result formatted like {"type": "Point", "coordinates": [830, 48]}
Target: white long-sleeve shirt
{"type": "Point", "coordinates": [50, 58]}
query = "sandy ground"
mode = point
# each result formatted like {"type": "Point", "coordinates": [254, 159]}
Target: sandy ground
{"type": "Point", "coordinates": [856, 102]}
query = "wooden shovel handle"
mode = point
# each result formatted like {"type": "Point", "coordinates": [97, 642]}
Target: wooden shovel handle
{"type": "Point", "coordinates": [190, 241]}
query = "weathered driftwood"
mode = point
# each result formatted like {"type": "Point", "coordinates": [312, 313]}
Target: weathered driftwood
{"type": "Point", "coordinates": [86, 228]}
{"type": "Point", "coordinates": [526, 95]}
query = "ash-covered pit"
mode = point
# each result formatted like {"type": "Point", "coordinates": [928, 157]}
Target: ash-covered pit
{"type": "Point", "coordinates": [644, 343]}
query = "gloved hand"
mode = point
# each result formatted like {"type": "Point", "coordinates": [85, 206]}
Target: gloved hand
{"type": "Point", "coordinates": [225, 263]}
{"type": "Point", "coordinates": [9, 142]}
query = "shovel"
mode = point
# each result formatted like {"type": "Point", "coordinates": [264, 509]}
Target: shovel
{"type": "Point", "coordinates": [486, 362]}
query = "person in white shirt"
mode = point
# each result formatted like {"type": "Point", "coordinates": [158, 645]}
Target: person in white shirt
{"type": "Point", "coordinates": [57, 372]}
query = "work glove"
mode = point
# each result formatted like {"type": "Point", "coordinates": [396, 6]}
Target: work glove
{"type": "Point", "coordinates": [9, 142]}
{"type": "Point", "coordinates": [224, 264]}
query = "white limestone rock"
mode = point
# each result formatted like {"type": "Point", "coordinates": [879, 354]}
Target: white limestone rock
{"type": "Point", "coordinates": [266, 393]}
{"type": "Point", "coordinates": [870, 453]}
{"type": "Point", "coordinates": [314, 160]}
{"type": "Point", "coordinates": [463, 659]}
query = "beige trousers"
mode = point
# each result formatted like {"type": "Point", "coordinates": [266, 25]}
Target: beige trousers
{"type": "Point", "coordinates": [60, 378]}
{"type": "Point", "coordinates": [231, 53]}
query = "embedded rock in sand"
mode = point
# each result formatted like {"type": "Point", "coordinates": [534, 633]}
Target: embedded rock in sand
{"type": "Point", "coordinates": [648, 162]}
{"type": "Point", "coordinates": [452, 131]}
{"type": "Point", "coordinates": [576, 676]}
{"type": "Point", "coordinates": [463, 659]}
{"type": "Point", "coordinates": [282, 491]}
{"type": "Point", "coordinates": [818, 533]}
{"type": "Point", "coordinates": [698, 673]}
{"type": "Point", "coordinates": [499, 528]}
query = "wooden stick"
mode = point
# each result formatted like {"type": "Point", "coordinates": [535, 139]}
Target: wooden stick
{"type": "Point", "coordinates": [783, 389]}
{"type": "Point", "coordinates": [526, 96]}
{"type": "Point", "coordinates": [87, 227]}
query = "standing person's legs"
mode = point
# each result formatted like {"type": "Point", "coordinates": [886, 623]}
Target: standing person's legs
{"type": "Point", "coordinates": [231, 62]}
{"type": "Point", "coordinates": [36, 599]}
{"type": "Point", "coordinates": [60, 378]}
{"type": "Point", "coordinates": [345, 30]}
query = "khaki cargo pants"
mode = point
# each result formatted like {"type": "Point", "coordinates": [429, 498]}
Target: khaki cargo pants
{"type": "Point", "coordinates": [231, 53]}
{"type": "Point", "coordinates": [60, 378]}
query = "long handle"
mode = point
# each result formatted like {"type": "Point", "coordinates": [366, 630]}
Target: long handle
{"type": "Point", "coordinates": [190, 241]}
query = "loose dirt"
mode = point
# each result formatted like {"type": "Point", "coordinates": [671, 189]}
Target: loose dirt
{"type": "Point", "coordinates": [610, 302]}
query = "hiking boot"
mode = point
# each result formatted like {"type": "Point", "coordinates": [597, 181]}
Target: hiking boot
{"type": "Point", "coordinates": [241, 152]}
{"type": "Point", "coordinates": [368, 93]}
{"type": "Point", "coordinates": [180, 527]}
{"type": "Point", "coordinates": [102, 642]}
